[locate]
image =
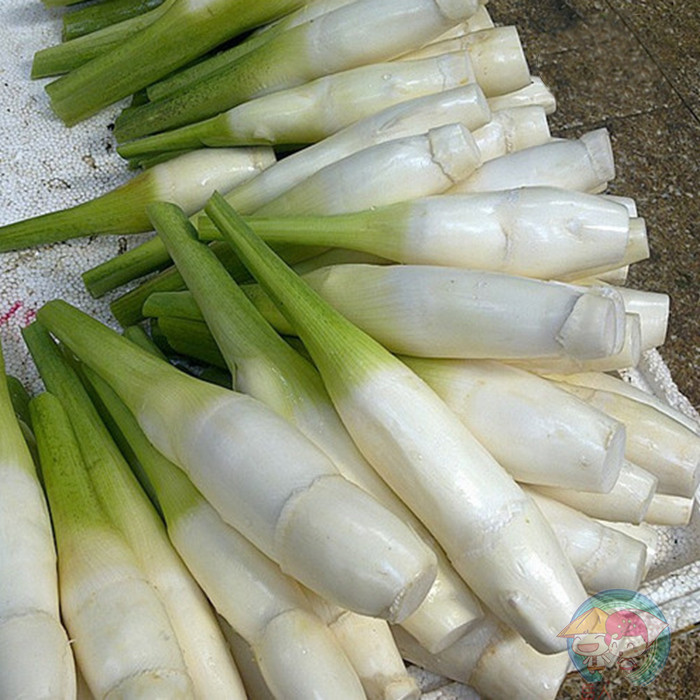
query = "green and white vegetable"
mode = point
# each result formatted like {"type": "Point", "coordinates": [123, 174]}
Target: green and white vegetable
{"type": "Point", "coordinates": [206, 657]}
{"type": "Point", "coordinates": [191, 75]}
{"type": "Point", "coordinates": [297, 654]}
{"type": "Point", "coordinates": [584, 164]}
{"type": "Point", "coordinates": [188, 180]}
{"type": "Point", "coordinates": [312, 111]}
{"type": "Point", "coordinates": [392, 171]}
{"type": "Point", "coordinates": [122, 638]}
{"type": "Point", "coordinates": [464, 105]}
{"type": "Point", "coordinates": [35, 657]}
{"type": "Point", "coordinates": [355, 34]}
{"type": "Point", "coordinates": [431, 311]}
{"type": "Point", "coordinates": [534, 231]}
{"type": "Point", "coordinates": [268, 369]}
{"type": "Point", "coordinates": [465, 498]}
{"type": "Point", "coordinates": [262, 476]}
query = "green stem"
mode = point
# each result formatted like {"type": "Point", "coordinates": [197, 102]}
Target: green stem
{"type": "Point", "coordinates": [128, 308]}
{"type": "Point", "coordinates": [65, 57]}
{"type": "Point", "coordinates": [126, 367]}
{"type": "Point", "coordinates": [188, 137]}
{"type": "Point", "coordinates": [177, 304]}
{"type": "Point", "coordinates": [74, 504]}
{"type": "Point", "coordinates": [193, 339]}
{"type": "Point", "coordinates": [121, 269]}
{"type": "Point", "coordinates": [121, 211]}
{"type": "Point", "coordinates": [149, 160]}
{"type": "Point", "coordinates": [138, 336]}
{"type": "Point", "coordinates": [339, 349]}
{"type": "Point", "coordinates": [260, 70]}
{"type": "Point", "coordinates": [184, 32]}
{"type": "Point", "coordinates": [184, 79]}
{"type": "Point", "coordinates": [18, 397]}
{"type": "Point", "coordinates": [86, 20]}
{"type": "Point", "coordinates": [171, 487]}
{"type": "Point", "coordinates": [239, 329]}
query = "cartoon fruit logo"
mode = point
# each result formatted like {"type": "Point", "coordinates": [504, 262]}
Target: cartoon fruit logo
{"type": "Point", "coordinates": [619, 628]}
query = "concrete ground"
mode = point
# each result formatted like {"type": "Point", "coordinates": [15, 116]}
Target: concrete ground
{"type": "Point", "coordinates": [633, 66]}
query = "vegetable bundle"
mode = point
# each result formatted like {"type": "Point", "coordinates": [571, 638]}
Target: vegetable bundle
{"type": "Point", "coordinates": [399, 418]}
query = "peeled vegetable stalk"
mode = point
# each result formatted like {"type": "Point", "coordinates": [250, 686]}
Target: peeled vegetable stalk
{"type": "Point", "coordinates": [30, 626]}
{"type": "Point", "coordinates": [428, 457]}
{"type": "Point", "coordinates": [262, 476]}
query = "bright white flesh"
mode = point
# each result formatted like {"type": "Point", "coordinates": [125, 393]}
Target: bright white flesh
{"type": "Point", "coordinates": [190, 179]}
{"type": "Point", "coordinates": [466, 105]}
{"type": "Point", "coordinates": [495, 661]}
{"type": "Point", "coordinates": [535, 93]}
{"type": "Point", "coordinates": [551, 439]}
{"type": "Point", "coordinates": [615, 385]}
{"type": "Point", "coordinates": [645, 533]}
{"type": "Point", "coordinates": [389, 172]}
{"type": "Point", "coordinates": [628, 355]}
{"type": "Point", "coordinates": [492, 533]}
{"type": "Point", "coordinates": [122, 637]}
{"type": "Point", "coordinates": [535, 232]}
{"type": "Point", "coordinates": [318, 109]}
{"type": "Point", "coordinates": [655, 441]}
{"type": "Point", "coordinates": [584, 164]}
{"type": "Point", "coordinates": [449, 609]}
{"type": "Point", "coordinates": [512, 130]}
{"type": "Point", "coordinates": [628, 500]}
{"type": "Point", "coordinates": [496, 56]}
{"type": "Point", "coordinates": [637, 249]}
{"type": "Point", "coordinates": [371, 649]}
{"type": "Point", "coordinates": [296, 652]}
{"type": "Point", "coordinates": [478, 21]}
{"type": "Point", "coordinates": [284, 494]}
{"type": "Point", "coordinates": [35, 657]}
{"type": "Point", "coordinates": [653, 310]}
{"type": "Point", "coordinates": [603, 558]}
{"type": "Point", "coordinates": [670, 510]}
{"type": "Point", "coordinates": [262, 475]}
{"type": "Point", "coordinates": [431, 311]}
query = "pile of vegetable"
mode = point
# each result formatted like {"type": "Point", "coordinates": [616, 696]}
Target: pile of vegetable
{"type": "Point", "coordinates": [364, 409]}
